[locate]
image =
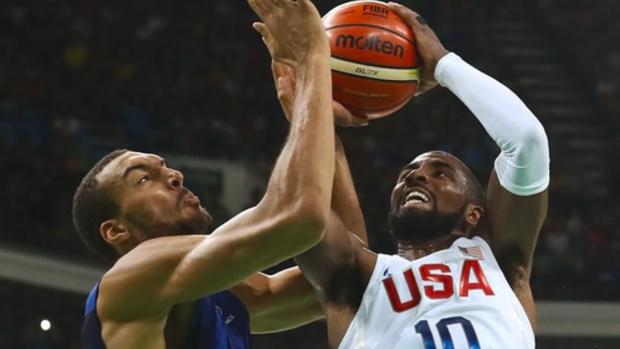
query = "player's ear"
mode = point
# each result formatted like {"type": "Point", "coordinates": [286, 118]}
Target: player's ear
{"type": "Point", "coordinates": [473, 213]}
{"type": "Point", "coordinates": [114, 232]}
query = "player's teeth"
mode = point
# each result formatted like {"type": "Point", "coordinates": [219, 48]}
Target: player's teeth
{"type": "Point", "coordinates": [416, 196]}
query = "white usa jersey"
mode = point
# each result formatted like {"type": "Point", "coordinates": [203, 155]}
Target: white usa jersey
{"type": "Point", "coordinates": [457, 298]}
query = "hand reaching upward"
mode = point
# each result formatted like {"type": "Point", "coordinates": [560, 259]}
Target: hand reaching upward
{"type": "Point", "coordinates": [291, 29]}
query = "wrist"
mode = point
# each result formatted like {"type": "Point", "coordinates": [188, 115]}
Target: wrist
{"type": "Point", "coordinates": [314, 65]}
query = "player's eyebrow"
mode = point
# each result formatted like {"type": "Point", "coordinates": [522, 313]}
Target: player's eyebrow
{"type": "Point", "coordinates": [142, 166]}
{"type": "Point", "coordinates": [441, 164]}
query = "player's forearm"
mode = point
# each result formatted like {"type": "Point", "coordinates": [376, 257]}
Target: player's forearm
{"type": "Point", "coordinates": [523, 165]}
{"type": "Point", "coordinates": [305, 169]}
{"type": "Point", "coordinates": [345, 202]}
{"type": "Point", "coordinates": [289, 301]}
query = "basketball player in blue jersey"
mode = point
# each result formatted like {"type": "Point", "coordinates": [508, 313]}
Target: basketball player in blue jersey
{"type": "Point", "coordinates": [171, 286]}
{"type": "Point", "coordinates": [461, 276]}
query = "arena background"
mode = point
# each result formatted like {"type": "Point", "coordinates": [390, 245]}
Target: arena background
{"type": "Point", "coordinates": [191, 80]}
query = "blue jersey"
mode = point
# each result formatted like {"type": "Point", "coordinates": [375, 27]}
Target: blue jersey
{"type": "Point", "coordinates": [220, 321]}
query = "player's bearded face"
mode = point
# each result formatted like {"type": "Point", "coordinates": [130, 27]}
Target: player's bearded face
{"type": "Point", "coordinates": [165, 221]}
{"type": "Point", "coordinates": [429, 199]}
{"type": "Point", "coordinates": [153, 201]}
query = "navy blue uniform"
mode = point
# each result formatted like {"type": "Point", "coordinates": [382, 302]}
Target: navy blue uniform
{"type": "Point", "coordinates": [220, 321]}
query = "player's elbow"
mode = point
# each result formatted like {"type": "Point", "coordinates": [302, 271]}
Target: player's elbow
{"type": "Point", "coordinates": [310, 220]}
{"type": "Point", "coordinates": [300, 220]}
{"type": "Point", "coordinates": [531, 137]}
{"type": "Point", "coordinates": [535, 133]}
{"type": "Point", "coordinates": [529, 128]}
{"type": "Point", "coordinates": [306, 221]}
{"type": "Point", "coordinates": [532, 147]}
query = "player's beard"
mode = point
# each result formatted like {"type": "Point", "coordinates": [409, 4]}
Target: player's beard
{"type": "Point", "coordinates": [196, 224]}
{"type": "Point", "coordinates": [421, 226]}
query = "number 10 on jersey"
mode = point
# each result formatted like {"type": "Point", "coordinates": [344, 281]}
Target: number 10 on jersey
{"type": "Point", "coordinates": [424, 330]}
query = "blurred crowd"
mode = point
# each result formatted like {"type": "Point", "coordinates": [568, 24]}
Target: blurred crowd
{"type": "Point", "coordinates": [581, 240]}
{"type": "Point", "coordinates": [589, 33]}
{"type": "Point", "coordinates": [80, 78]}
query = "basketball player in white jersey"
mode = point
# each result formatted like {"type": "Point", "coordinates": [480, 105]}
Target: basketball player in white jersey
{"type": "Point", "coordinates": [456, 282]}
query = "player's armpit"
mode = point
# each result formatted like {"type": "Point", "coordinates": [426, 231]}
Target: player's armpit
{"type": "Point", "coordinates": [279, 302]}
{"type": "Point", "coordinates": [338, 264]}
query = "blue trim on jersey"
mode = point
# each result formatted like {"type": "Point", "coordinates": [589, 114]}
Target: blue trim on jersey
{"type": "Point", "coordinates": [91, 328]}
{"type": "Point", "coordinates": [91, 301]}
{"type": "Point", "coordinates": [221, 321]}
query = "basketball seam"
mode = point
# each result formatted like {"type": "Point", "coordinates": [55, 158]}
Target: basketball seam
{"type": "Point", "coordinates": [373, 64]}
{"type": "Point", "coordinates": [371, 26]}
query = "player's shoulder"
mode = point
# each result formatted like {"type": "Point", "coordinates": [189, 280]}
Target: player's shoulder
{"type": "Point", "coordinates": [131, 288]}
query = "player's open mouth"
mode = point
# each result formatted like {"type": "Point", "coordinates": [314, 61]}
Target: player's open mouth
{"type": "Point", "coordinates": [416, 196]}
{"type": "Point", "coordinates": [191, 199]}
{"type": "Point", "coordinates": [187, 197]}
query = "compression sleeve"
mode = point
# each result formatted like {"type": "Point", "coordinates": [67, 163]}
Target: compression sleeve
{"type": "Point", "coordinates": [523, 164]}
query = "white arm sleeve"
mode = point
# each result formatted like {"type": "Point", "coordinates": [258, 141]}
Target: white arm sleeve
{"type": "Point", "coordinates": [523, 165]}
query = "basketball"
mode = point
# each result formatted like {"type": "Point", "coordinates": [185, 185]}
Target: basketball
{"type": "Point", "coordinates": [373, 58]}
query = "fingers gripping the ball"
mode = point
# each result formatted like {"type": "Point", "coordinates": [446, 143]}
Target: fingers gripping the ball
{"type": "Point", "coordinates": [429, 47]}
{"type": "Point", "coordinates": [405, 13]}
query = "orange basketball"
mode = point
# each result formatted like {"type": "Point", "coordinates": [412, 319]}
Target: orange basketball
{"type": "Point", "coordinates": [374, 61]}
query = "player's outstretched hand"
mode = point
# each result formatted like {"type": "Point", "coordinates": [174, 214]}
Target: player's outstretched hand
{"type": "Point", "coordinates": [291, 29]}
{"type": "Point", "coordinates": [429, 47]}
{"type": "Point", "coordinates": [284, 78]}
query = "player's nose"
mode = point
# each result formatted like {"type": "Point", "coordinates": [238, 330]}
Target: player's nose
{"type": "Point", "coordinates": [416, 176]}
{"type": "Point", "coordinates": [175, 178]}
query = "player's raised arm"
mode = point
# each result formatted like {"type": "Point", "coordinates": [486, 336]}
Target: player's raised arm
{"type": "Point", "coordinates": [345, 203]}
{"type": "Point", "coordinates": [517, 190]}
{"type": "Point", "coordinates": [286, 299]}
{"type": "Point", "coordinates": [517, 199]}
{"type": "Point", "coordinates": [292, 215]}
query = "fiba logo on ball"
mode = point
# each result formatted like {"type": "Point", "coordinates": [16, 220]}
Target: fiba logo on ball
{"type": "Point", "coordinates": [375, 10]}
{"type": "Point", "coordinates": [373, 58]}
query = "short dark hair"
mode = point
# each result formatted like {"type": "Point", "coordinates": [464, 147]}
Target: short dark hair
{"type": "Point", "coordinates": [474, 188]}
{"type": "Point", "coordinates": [92, 206]}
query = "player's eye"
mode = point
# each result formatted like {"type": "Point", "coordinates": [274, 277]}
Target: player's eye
{"type": "Point", "coordinates": [442, 174]}
{"type": "Point", "coordinates": [403, 176]}
{"type": "Point", "coordinates": [144, 179]}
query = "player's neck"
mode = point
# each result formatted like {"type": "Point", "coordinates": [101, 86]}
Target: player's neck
{"type": "Point", "coordinates": [417, 249]}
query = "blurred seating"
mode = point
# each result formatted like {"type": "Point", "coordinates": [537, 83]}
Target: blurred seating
{"type": "Point", "coordinates": [78, 79]}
